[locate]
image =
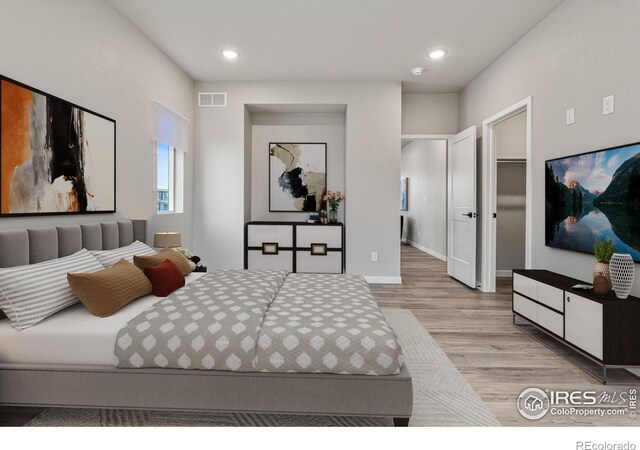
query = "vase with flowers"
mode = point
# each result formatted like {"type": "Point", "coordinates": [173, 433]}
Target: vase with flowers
{"type": "Point", "coordinates": [334, 198]}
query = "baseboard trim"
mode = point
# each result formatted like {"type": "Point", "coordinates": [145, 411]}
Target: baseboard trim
{"type": "Point", "coordinates": [426, 250]}
{"type": "Point", "coordinates": [383, 280]}
{"type": "Point", "coordinates": [504, 273]}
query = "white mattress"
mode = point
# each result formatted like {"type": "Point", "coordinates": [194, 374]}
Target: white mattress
{"type": "Point", "coordinates": [71, 336]}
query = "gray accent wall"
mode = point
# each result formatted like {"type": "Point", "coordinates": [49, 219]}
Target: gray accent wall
{"type": "Point", "coordinates": [85, 52]}
{"type": "Point", "coordinates": [424, 162]}
{"type": "Point", "coordinates": [583, 51]}
{"type": "Point", "coordinates": [372, 168]}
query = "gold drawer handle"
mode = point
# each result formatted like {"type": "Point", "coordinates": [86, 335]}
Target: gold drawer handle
{"type": "Point", "coordinates": [269, 248]}
{"type": "Point", "coordinates": [319, 249]}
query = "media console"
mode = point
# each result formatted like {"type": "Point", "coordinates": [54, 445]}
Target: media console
{"type": "Point", "coordinates": [605, 330]}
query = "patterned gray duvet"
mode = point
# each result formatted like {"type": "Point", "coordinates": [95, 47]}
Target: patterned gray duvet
{"type": "Point", "coordinates": [264, 321]}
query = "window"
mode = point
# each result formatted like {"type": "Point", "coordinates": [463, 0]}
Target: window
{"type": "Point", "coordinates": [170, 144]}
{"type": "Point", "coordinates": [165, 157]}
{"type": "Point", "coordinates": [169, 176]}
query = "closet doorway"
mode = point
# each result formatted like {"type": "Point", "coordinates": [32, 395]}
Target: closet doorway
{"type": "Point", "coordinates": [511, 194]}
{"type": "Point", "coordinates": [507, 189]}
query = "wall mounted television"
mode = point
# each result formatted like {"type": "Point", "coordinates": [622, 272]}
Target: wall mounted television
{"type": "Point", "coordinates": [594, 196]}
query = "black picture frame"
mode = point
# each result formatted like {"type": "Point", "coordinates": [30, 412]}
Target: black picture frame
{"type": "Point", "coordinates": [271, 208]}
{"type": "Point", "coordinates": [5, 79]}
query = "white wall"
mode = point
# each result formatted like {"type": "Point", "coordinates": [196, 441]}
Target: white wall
{"type": "Point", "coordinates": [429, 113]}
{"type": "Point", "coordinates": [424, 162]}
{"type": "Point", "coordinates": [87, 53]}
{"type": "Point", "coordinates": [580, 53]}
{"type": "Point", "coordinates": [372, 168]}
{"type": "Point", "coordinates": [278, 127]}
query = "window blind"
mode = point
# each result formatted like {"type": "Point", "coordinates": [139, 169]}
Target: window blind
{"type": "Point", "coordinates": [170, 127]}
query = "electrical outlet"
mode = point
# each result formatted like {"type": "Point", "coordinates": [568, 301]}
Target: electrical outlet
{"type": "Point", "coordinates": [424, 199]}
{"type": "Point", "coordinates": [571, 116]}
{"type": "Point", "coordinates": [374, 256]}
{"type": "Point", "coordinates": [419, 233]}
{"type": "Point", "coordinates": [607, 105]}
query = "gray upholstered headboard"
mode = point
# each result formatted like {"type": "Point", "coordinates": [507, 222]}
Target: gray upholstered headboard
{"type": "Point", "coordinates": [29, 246]}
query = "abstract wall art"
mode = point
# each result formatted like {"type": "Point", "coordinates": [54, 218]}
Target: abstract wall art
{"type": "Point", "coordinates": [55, 157]}
{"type": "Point", "coordinates": [297, 176]}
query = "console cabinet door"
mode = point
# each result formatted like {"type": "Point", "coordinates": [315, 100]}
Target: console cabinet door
{"type": "Point", "coordinates": [583, 324]}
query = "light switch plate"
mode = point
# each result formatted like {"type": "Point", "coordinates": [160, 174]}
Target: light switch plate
{"type": "Point", "coordinates": [571, 116]}
{"type": "Point", "coordinates": [607, 105]}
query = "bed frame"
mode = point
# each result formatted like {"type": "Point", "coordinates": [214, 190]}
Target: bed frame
{"type": "Point", "coordinates": [173, 389]}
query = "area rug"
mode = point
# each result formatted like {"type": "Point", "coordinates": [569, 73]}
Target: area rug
{"type": "Point", "coordinates": [441, 397]}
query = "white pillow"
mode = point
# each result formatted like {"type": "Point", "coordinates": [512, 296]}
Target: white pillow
{"type": "Point", "coordinates": [109, 257]}
{"type": "Point", "coordinates": [29, 294]}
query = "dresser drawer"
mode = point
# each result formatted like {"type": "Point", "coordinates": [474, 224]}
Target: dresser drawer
{"type": "Point", "coordinates": [525, 286]}
{"type": "Point", "coordinates": [329, 263]}
{"type": "Point", "coordinates": [550, 320]}
{"type": "Point", "coordinates": [282, 261]}
{"type": "Point", "coordinates": [550, 296]}
{"type": "Point", "coordinates": [280, 234]}
{"type": "Point", "coordinates": [318, 234]}
{"type": "Point", "coordinates": [525, 307]}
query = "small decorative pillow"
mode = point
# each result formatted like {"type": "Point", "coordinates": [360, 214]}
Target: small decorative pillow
{"type": "Point", "coordinates": [109, 257]}
{"type": "Point", "coordinates": [29, 294]}
{"type": "Point", "coordinates": [165, 278]}
{"type": "Point", "coordinates": [106, 291]}
{"type": "Point", "coordinates": [167, 253]}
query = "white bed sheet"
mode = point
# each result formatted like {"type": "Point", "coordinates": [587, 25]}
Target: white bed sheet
{"type": "Point", "coordinates": [71, 336]}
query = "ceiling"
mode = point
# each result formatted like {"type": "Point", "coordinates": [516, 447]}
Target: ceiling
{"type": "Point", "coordinates": [336, 39]}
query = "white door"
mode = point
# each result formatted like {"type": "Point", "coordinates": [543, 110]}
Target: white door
{"type": "Point", "coordinates": [461, 180]}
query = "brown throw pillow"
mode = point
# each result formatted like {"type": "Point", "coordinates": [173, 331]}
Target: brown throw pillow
{"type": "Point", "coordinates": [162, 256]}
{"type": "Point", "coordinates": [106, 291]}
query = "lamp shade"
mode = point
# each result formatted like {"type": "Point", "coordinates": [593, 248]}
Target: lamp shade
{"type": "Point", "coordinates": [167, 239]}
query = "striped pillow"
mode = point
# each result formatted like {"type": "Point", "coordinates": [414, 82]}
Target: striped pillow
{"type": "Point", "coordinates": [109, 257]}
{"type": "Point", "coordinates": [29, 294]}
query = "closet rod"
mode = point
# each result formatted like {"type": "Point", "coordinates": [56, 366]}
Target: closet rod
{"type": "Point", "coordinates": [512, 160]}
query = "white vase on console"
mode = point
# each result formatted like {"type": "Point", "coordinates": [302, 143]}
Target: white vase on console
{"type": "Point", "coordinates": [622, 271]}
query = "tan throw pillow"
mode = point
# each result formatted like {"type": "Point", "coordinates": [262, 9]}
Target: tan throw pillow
{"type": "Point", "coordinates": [106, 291]}
{"type": "Point", "coordinates": [162, 256]}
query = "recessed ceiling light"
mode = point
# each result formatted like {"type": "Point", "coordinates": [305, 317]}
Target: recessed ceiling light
{"type": "Point", "coordinates": [438, 53]}
{"type": "Point", "coordinates": [230, 54]}
{"type": "Point", "coordinates": [417, 71]}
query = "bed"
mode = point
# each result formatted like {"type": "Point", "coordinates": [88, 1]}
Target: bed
{"type": "Point", "coordinates": [68, 360]}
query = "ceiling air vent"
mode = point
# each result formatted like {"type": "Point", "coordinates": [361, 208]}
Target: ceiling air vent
{"type": "Point", "coordinates": [212, 99]}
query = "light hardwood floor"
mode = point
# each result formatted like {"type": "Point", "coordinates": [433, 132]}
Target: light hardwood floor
{"type": "Point", "coordinates": [476, 331]}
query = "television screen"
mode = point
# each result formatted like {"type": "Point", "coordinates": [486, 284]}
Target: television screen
{"type": "Point", "coordinates": [594, 196]}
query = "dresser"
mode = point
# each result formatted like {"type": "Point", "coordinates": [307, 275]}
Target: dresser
{"type": "Point", "coordinates": [607, 330]}
{"type": "Point", "coordinates": [294, 246]}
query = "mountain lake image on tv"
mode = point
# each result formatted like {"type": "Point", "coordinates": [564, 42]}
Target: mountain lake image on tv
{"type": "Point", "coordinates": [594, 196]}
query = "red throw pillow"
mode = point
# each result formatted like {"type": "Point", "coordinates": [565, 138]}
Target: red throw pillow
{"type": "Point", "coordinates": [165, 278]}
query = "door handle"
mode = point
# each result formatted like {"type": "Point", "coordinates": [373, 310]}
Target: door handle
{"type": "Point", "coordinates": [470, 214]}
